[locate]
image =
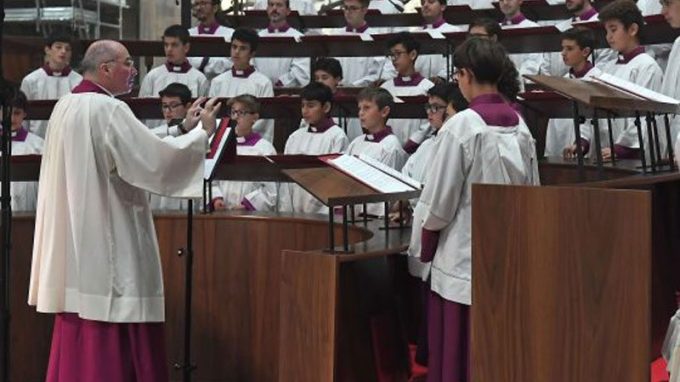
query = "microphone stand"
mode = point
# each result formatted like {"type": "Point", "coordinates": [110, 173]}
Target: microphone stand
{"type": "Point", "coordinates": [6, 93]}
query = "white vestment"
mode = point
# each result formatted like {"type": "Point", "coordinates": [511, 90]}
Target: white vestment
{"type": "Point", "coordinates": [234, 82]}
{"type": "Point", "coordinates": [95, 251]}
{"type": "Point", "coordinates": [434, 65]}
{"type": "Point", "coordinates": [671, 348]}
{"type": "Point", "coordinates": [214, 66]}
{"type": "Point", "coordinates": [262, 196]}
{"type": "Point", "coordinates": [525, 63]}
{"type": "Point", "coordinates": [25, 194]}
{"type": "Point", "coordinates": [289, 71]}
{"type": "Point", "coordinates": [671, 87]}
{"type": "Point", "coordinates": [308, 142]}
{"type": "Point", "coordinates": [467, 151]}
{"type": "Point", "coordinates": [362, 71]}
{"type": "Point", "coordinates": [386, 149]}
{"type": "Point", "coordinates": [39, 85]}
{"type": "Point", "coordinates": [406, 86]}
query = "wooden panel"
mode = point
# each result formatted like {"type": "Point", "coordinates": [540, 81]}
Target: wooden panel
{"type": "Point", "coordinates": [562, 292]}
{"type": "Point", "coordinates": [308, 321]}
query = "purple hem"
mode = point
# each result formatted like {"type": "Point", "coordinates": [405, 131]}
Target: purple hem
{"type": "Point", "coordinates": [379, 136]}
{"type": "Point", "coordinates": [413, 80]}
{"type": "Point", "coordinates": [249, 206]}
{"type": "Point", "coordinates": [87, 86]}
{"type": "Point", "coordinates": [410, 146]}
{"type": "Point", "coordinates": [428, 245]}
{"type": "Point", "coordinates": [322, 126]}
{"type": "Point", "coordinates": [53, 73]}
{"type": "Point", "coordinates": [625, 152]}
{"type": "Point", "coordinates": [242, 73]}
{"type": "Point", "coordinates": [183, 68]}
{"type": "Point", "coordinates": [20, 135]}
{"type": "Point", "coordinates": [249, 140]}
{"type": "Point", "coordinates": [494, 110]}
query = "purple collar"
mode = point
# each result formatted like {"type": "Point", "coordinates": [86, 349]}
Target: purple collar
{"type": "Point", "coordinates": [581, 73]}
{"type": "Point", "coordinates": [361, 29]}
{"type": "Point", "coordinates": [413, 80]}
{"type": "Point", "coordinates": [282, 29]}
{"type": "Point", "coordinates": [208, 29]}
{"type": "Point", "coordinates": [87, 86]}
{"type": "Point", "coordinates": [19, 135]}
{"type": "Point", "coordinates": [322, 126]}
{"type": "Point", "coordinates": [183, 68]}
{"type": "Point", "coordinates": [379, 136]}
{"type": "Point", "coordinates": [435, 24]}
{"type": "Point", "coordinates": [494, 110]}
{"type": "Point", "coordinates": [249, 140]}
{"type": "Point", "coordinates": [627, 57]}
{"type": "Point", "coordinates": [515, 19]}
{"type": "Point", "coordinates": [587, 15]}
{"type": "Point", "coordinates": [242, 73]}
{"type": "Point", "coordinates": [53, 73]}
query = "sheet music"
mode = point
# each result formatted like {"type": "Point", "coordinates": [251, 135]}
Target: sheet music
{"type": "Point", "coordinates": [635, 89]}
{"type": "Point", "coordinates": [369, 175]}
{"type": "Point", "coordinates": [384, 168]}
{"type": "Point", "coordinates": [212, 157]}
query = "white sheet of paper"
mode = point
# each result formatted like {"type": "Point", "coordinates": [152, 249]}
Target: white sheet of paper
{"type": "Point", "coordinates": [384, 168]}
{"type": "Point", "coordinates": [369, 175]}
{"type": "Point", "coordinates": [635, 89]}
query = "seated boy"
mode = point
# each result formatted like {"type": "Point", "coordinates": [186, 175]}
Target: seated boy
{"type": "Point", "coordinates": [379, 142]}
{"type": "Point", "coordinates": [623, 22]}
{"type": "Point", "coordinates": [318, 135]}
{"type": "Point", "coordinates": [242, 78]}
{"type": "Point", "coordinates": [328, 71]}
{"type": "Point", "coordinates": [24, 194]}
{"type": "Point", "coordinates": [404, 50]}
{"type": "Point", "coordinates": [54, 79]}
{"type": "Point", "coordinates": [577, 46]}
{"type": "Point", "coordinates": [251, 196]}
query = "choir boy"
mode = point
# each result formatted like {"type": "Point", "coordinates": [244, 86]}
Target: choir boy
{"type": "Point", "coordinates": [243, 78]}
{"type": "Point", "coordinates": [328, 71]}
{"type": "Point", "coordinates": [24, 194]}
{"type": "Point", "coordinates": [433, 66]}
{"type": "Point", "coordinates": [54, 79]}
{"type": "Point", "coordinates": [484, 27]}
{"type": "Point", "coordinates": [317, 135]}
{"type": "Point", "coordinates": [577, 46]}
{"type": "Point", "coordinates": [623, 22]}
{"type": "Point", "coordinates": [204, 11]}
{"type": "Point", "coordinates": [360, 71]}
{"type": "Point", "coordinates": [250, 196]}
{"type": "Point", "coordinates": [487, 143]}
{"type": "Point", "coordinates": [526, 63]}
{"type": "Point", "coordinates": [403, 52]}
{"type": "Point", "coordinates": [671, 80]}
{"type": "Point", "coordinates": [175, 69]}
{"type": "Point", "coordinates": [282, 71]}
{"type": "Point", "coordinates": [379, 142]}
{"type": "Point", "coordinates": [302, 7]}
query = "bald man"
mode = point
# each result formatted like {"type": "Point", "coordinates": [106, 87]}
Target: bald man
{"type": "Point", "coordinates": [95, 256]}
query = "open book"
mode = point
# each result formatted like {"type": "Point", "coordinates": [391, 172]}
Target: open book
{"type": "Point", "coordinates": [372, 173]}
{"type": "Point", "coordinates": [634, 89]}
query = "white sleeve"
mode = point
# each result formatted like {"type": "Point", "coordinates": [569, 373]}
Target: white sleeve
{"type": "Point", "coordinates": [145, 87]}
{"type": "Point", "coordinates": [171, 167]}
{"type": "Point", "coordinates": [263, 197]}
{"type": "Point", "coordinates": [298, 73]}
{"type": "Point", "coordinates": [340, 144]}
{"type": "Point", "coordinates": [203, 87]}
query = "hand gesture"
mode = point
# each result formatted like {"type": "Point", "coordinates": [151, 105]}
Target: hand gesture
{"type": "Point", "coordinates": [193, 114]}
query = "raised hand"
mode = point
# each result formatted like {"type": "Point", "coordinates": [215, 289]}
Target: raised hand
{"type": "Point", "coordinates": [208, 115]}
{"type": "Point", "coordinates": [193, 114]}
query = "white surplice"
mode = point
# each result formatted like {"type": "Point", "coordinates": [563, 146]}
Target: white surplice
{"type": "Point", "coordinates": [214, 66]}
{"type": "Point", "coordinates": [288, 71]}
{"type": "Point", "coordinates": [95, 251]}
{"type": "Point", "coordinates": [411, 86]}
{"type": "Point", "coordinates": [25, 194]}
{"type": "Point", "coordinates": [671, 87]}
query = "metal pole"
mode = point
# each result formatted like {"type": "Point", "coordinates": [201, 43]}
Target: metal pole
{"type": "Point", "coordinates": [671, 158]}
{"type": "Point", "coordinates": [611, 137]}
{"type": "Point", "coordinates": [598, 144]}
{"type": "Point", "coordinates": [650, 138]}
{"type": "Point", "coordinates": [577, 135]}
{"type": "Point", "coordinates": [345, 229]}
{"type": "Point", "coordinates": [331, 231]}
{"type": "Point", "coordinates": [186, 366]}
{"type": "Point", "coordinates": [638, 126]}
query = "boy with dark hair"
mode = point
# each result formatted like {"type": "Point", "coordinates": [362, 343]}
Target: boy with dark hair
{"type": "Point", "coordinates": [484, 27]}
{"type": "Point", "coordinates": [175, 70]}
{"type": "Point", "coordinates": [24, 194]}
{"type": "Point", "coordinates": [624, 23]}
{"type": "Point", "coordinates": [243, 78]}
{"type": "Point", "coordinates": [433, 65]}
{"type": "Point", "coordinates": [54, 79]}
{"type": "Point", "coordinates": [318, 135]}
{"type": "Point", "coordinates": [577, 46]}
{"type": "Point", "coordinates": [282, 71]}
{"type": "Point", "coordinates": [205, 11]}
{"type": "Point", "coordinates": [404, 50]}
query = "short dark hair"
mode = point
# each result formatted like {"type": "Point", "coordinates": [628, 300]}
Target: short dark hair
{"type": "Point", "coordinates": [316, 91]}
{"type": "Point", "coordinates": [449, 93]}
{"type": "Point", "coordinates": [406, 39]}
{"type": "Point", "coordinates": [287, 3]}
{"type": "Point", "coordinates": [487, 59]}
{"type": "Point", "coordinates": [329, 65]}
{"type": "Point", "coordinates": [177, 31]}
{"type": "Point", "coordinates": [250, 102]}
{"type": "Point", "coordinates": [364, 3]}
{"type": "Point", "coordinates": [491, 26]}
{"type": "Point", "coordinates": [58, 37]}
{"type": "Point", "coordinates": [584, 37]}
{"type": "Point", "coordinates": [380, 96]}
{"type": "Point", "coordinates": [176, 89]}
{"type": "Point", "coordinates": [248, 36]}
{"type": "Point", "coordinates": [19, 100]}
{"type": "Point", "coordinates": [625, 11]}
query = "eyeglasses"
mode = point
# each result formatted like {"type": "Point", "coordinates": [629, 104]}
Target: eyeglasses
{"type": "Point", "coordinates": [434, 108]}
{"type": "Point", "coordinates": [395, 55]}
{"type": "Point", "coordinates": [170, 106]}
{"type": "Point", "coordinates": [128, 62]}
{"type": "Point", "coordinates": [239, 113]}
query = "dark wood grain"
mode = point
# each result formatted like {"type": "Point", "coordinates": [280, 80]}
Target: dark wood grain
{"type": "Point", "coordinates": [564, 286]}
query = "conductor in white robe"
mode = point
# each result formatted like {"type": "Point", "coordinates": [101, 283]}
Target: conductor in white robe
{"type": "Point", "coordinates": [95, 256]}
